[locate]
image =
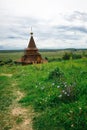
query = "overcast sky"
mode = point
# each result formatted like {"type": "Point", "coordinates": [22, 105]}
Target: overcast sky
{"type": "Point", "coordinates": [55, 23]}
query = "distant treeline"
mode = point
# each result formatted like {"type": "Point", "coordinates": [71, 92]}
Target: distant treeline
{"type": "Point", "coordinates": [45, 50]}
{"type": "Point", "coordinates": [7, 51]}
{"type": "Point", "coordinates": [9, 57]}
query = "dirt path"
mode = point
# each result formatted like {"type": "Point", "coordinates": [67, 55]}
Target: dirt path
{"type": "Point", "coordinates": [18, 117]}
{"type": "Point", "coordinates": [8, 75]}
{"type": "Point", "coordinates": [21, 117]}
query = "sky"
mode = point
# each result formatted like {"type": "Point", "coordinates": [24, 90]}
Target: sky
{"type": "Point", "coordinates": [56, 24]}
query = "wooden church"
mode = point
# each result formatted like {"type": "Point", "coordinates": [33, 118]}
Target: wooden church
{"type": "Point", "coordinates": [31, 54]}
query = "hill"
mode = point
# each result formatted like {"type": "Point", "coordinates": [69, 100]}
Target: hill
{"type": "Point", "coordinates": [54, 95]}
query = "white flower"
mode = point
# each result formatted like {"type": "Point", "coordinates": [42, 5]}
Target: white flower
{"type": "Point", "coordinates": [68, 113]}
{"type": "Point", "coordinates": [60, 96]}
{"type": "Point", "coordinates": [72, 125]}
{"type": "Point", "coordinates": [63, 91]}
{"type": "Point", "coordinates": [65, 85]}
{"type": "Point", "coordinates": [53, 83]}
{"type": "Point", "coordinates": [80, 108]}
{"type": "Point", "coordinates": [42, 87]}
{"type": "Point", "coordinates": [58, 86]}
{"type": "Point", "coordinates": [71, 111]}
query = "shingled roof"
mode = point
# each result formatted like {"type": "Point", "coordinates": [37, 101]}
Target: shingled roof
{"type": "Point", "coordinates": [32, 44]}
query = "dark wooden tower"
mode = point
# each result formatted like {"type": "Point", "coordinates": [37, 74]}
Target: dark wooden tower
{"type": "Point", "coordinates": [31, 54]}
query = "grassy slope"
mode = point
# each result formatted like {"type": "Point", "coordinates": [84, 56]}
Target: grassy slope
{"type": "Point", "coordinates": [57, 92]}
{"type": "Point", "coordinates": [45, 92]}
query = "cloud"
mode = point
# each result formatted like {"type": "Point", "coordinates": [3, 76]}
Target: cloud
{"type": "Point", "coordinates": [14, 31]}
{"type": "Point", "coordinates": [16, 27]}
{"type": "Point", "coordinates": [76, 15]}
{"type": "Point", "coordinates": [1, 47]}
{"type": "Point", "coordinates": [63, 28]}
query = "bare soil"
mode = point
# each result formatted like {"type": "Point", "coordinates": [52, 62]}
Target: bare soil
{"type": "Point", "coordinates": [8, 75]}
{"type": "Point", "coordinates": [21, 117]}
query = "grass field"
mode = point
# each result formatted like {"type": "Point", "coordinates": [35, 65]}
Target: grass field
{"type": "Point", "coordinates": [52, 55]}
{"type": "Point", "coordinates": [51, 96]}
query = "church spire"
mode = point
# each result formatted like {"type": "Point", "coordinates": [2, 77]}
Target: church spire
{"type": "Point", "coordinates": [31, 33]}
{"type": "Point", "coordinates": [32, 44]}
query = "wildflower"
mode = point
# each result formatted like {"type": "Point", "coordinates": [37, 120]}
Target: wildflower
{"type": "Point", "coordinates": [68, 113]}
{"type": "Point", "coordinates": [63, 91]}
{"type": "Point", "coordinates": [67, 94]}
{"type": "Point", "coordinates": [60, 96]}
{"type": "Point", "coordinates": [71, 111]}
{"type": "Point", "coordinates": [58, 86]}
{"type": "Point", "coordinates": [42, 87]}
{"type": "Point", "coordinates": [65, 85]}
{"type": "Point", "coordinates": [72, 125]}
{"type": "Point", "coordinates": [80, 108]}
{"type": "Point", "coordinates": [53, 84]}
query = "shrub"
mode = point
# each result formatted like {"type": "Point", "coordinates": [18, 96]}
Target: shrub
{"type": "Point", "coordinates": [56, 73]}
{"type": "Point", "coordinates": [1, 63]}
{"type": "Point", "coordinates": [46, 58]}
{"type": "Point", "coordinates": [76, 56]}
{"type": "Point", "coordinates": [54, 59]}
{"type": "Point", "coordinates": [9, 61]}
{"type": "Point", "coordinates": [66, 56]}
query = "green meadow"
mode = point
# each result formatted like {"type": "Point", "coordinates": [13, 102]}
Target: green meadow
{"type": "Point", "coordinates": [54, 93]}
